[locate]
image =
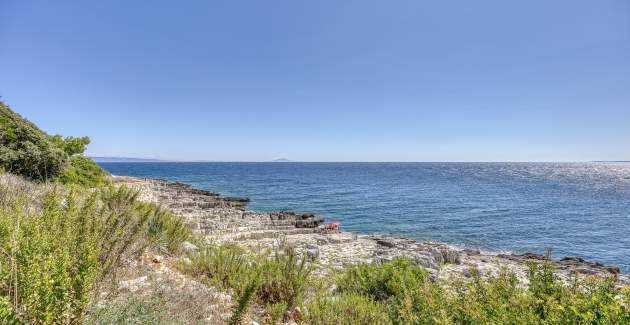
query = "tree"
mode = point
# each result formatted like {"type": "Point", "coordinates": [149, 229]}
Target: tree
{"type": "Point", "coordinates": [71, 145]}
{"type": "Point", "coordinates": [26, 150]}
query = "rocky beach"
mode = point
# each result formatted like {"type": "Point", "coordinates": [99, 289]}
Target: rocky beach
{"type": "Point", "coordinates": [227, 220]}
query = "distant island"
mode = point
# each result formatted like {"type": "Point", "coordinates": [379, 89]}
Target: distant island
{"type": "Point", "coordinates": [281, 160]}
{"type": "Point", "coordinates": [123, 159]}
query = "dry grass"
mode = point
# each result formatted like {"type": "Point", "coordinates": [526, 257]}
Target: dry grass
{"type": "Point", "coordinates": [182, 300]}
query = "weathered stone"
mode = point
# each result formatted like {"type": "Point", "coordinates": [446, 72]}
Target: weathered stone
{"type": "Point", "coordinates": [311, 222]}
{"type": "Point", "coordinates": [157, 258]}
{"type": "Point", "coordinates": [134, 284]}
{"type": "Point", "coordinates": [189, 247]}
{"type": "Point", "coordinates": [385, 243]}
{"type": "Point", "coordinates": [226, 220]}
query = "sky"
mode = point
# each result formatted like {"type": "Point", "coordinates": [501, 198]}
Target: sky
{"type": "Point", "coordinates": [362, 80]}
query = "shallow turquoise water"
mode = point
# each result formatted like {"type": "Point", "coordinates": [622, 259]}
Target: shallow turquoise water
{"type": "Point", "coordinates": [578, 209]}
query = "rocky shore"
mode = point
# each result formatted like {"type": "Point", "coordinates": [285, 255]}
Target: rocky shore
{"type": "Point", "coordinates": [226, 219]}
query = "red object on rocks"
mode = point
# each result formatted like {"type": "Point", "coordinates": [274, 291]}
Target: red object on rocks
{"type": "Point", "coordinates": [331, 227]}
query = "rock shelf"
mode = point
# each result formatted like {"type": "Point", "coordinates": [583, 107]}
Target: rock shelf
{"type": "Point", "coordinates": [225, 219]}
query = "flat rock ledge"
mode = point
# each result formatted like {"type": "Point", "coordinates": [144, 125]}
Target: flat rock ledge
{"type": "Point", "coordinates": [225, 219]}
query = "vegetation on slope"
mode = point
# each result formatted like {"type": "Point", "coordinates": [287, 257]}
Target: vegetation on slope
{"type": "Point", "coordinates": [400, 292]}
{"type": "Point", "coordinates": [57, 245]}
{"type": "Point", "coordinates": [278, 282]}
{"type": "Point", "coordinates": [26, 150]}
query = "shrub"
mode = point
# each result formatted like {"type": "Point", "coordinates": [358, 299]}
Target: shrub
{"type": "Point", "coordinates": [243, 302]}
{"type": "Point", "coordinates": [492, 300]}
{"type": "Point", "coordinates": [166, 233]}
{"type": "Point", "coordinates": [382, 281]}
{"type": "Point", "coordinates": [85, 172]}
{"type": "Point", "coordinates": [410, 297]}
{"type": "Point", "coordinates": [404, 288]}
{"type": "Point", "coordinates": [347, 309]}
{"type": "Point", "coordinates": [592, 300]}
{"type": "Point", "coordinates": [26, 150]}
{"type": "Point", "coordinates": [224, 266]}
{"type": "Point", "coordinates": [284, 277]}
{"type": "Point", "coordinates": [56, 251]}
{"type": "Point", "coordinates": [71, 145]}
{"type": "Point", "coordinates": [281, 279]}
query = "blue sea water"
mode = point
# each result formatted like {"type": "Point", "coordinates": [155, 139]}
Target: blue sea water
{"type": "Point", "coordinates": [577, 209]}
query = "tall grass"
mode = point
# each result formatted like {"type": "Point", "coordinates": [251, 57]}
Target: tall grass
{"type": "Point", "coordinates": [56, 245]}
{"type": "Point", "coordinates": [242, 304]}
{"type": "Point", "coordinates": [284, 278]}
{"type": "Point", "coordinates": [281, 279]}
{"type": "Point", "coordinates": [166, 233]}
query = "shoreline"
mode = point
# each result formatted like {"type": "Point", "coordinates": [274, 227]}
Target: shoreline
{"type": "Point", "coordinates": [226, 220]}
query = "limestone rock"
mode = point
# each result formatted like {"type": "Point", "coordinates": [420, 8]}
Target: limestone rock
{"type": "Point", "coordinates": [189, 247]}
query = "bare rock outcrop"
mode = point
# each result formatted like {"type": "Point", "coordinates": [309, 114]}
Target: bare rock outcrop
{"type": "Point", "coordinates": [222, 219]}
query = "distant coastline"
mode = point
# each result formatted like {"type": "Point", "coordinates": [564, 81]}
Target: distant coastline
{"type": "Point", "coordinates": [124, 159]}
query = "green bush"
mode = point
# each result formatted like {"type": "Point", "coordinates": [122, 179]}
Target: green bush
{"type": "Point", "coordinates": [284, 278]}
{"type": "Point", "coordinates": [382, 281]}
{"type": "Point", "coordinates": [85, 172]}
{"type": "Point", "coordinates": [402, 287]}
{"type": "Point", "coordinates": [224, 266]}
{"type": "Point", "coordinates": [347, 309]}
{"type": "Point", "coordinates": [70, 145]}
{"type": "Point", "coordinates": [166, 233]}
{"type": "Point", "coordinates": [26, 150]}
{"type": "Point", "coordinates": [410, 297]}
{"type": "Point", "coordinates": [55, 252]}
{"type": "Point", "coordinates": [242, 303]}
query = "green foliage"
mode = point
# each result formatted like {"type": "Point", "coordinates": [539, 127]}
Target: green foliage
{"type": "Point", "coordinates": [347, 309]}
{"type": "Point", "coordinates": [54, 253]}
{"type": "Point", "coordinates": [26, 150]}
{"type": "Point", "coordinates": [284, 277]}
{"type": "Point", "coordinates": [401, 292]}
{"type": "Point", "coordinates": [410, 297]}
{"type": "Point", "coordinates": [85, 172]}
{"type": "Point", "coordinates": [243, 302]}
{"type": "Point", "coordinates": [382, 281]}
{"type": "Point", "coordinates": [276, 312]}
{"type": "Point", "coordinates": [71, 145]}
{"type": "Point", "coordinates": [401, 286]}
{"type": "Point", "coordinates": [7, 316]}
{"type": "Point", "coordinates": [133, 310]}
{"type": "Point", "coordinates": [166, 233]}
{"type": "Point", "coordinates": [50, 266]}
{"type": "Point", "coordinates": [225, 266]}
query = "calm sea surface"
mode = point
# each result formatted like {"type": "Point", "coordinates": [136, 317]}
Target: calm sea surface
{"type": "Point", "coordinates": [579, 209]}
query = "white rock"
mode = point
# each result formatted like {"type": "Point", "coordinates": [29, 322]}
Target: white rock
{"type": "Point", "coordinates": [133, 284]}
{"type": "Point", "coordinates": [189, 247]}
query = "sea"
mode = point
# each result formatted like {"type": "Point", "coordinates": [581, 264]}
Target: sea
{"type": "Point", "coordinates": [567, 209]}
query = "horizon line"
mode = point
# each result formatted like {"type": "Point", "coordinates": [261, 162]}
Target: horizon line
{"type": "Point", "coordinates": [158, 160]}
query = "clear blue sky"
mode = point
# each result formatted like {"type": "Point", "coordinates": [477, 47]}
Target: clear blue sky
{"type": "Point", "coordinates": [534, 80]}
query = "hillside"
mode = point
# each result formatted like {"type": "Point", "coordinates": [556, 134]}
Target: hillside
{"type": "Point", "coordinates": [26, 150]}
